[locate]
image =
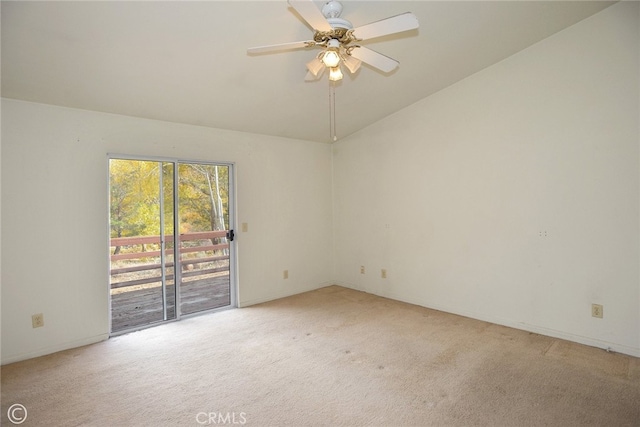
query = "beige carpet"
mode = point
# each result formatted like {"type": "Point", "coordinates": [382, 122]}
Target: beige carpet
{"type": "Point", "coordinates": [328, 357]}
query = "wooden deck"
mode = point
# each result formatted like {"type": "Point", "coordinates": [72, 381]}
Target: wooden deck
{"type": "Point", "coordinates": [136, 308]}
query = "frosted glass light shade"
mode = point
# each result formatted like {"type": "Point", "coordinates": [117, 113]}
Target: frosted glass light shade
{"type": "Point", "coordinates": [335, 74]}
{"type": "Point", "coordinates": [331, 58]}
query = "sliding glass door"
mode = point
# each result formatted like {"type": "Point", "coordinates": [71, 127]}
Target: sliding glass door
{"type": "Point", "coordinates": [149, 201]}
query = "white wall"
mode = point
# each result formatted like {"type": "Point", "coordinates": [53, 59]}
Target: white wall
{"type": "Point", "coordinates": [511, 196]}
{"type": "Point", "coordinates": [55, 215]}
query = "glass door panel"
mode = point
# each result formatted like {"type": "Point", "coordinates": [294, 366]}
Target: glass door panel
{"type": "Point", "coordinates": [141, 219]}
{"type": "Point", "coordinates": [204, 236]}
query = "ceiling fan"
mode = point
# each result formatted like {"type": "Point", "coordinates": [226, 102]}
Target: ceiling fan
{"type": "Point", "coordinates": [339, 40]}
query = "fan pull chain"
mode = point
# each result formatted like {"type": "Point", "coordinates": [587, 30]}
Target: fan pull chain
{"type": "Point", "coordinates": [332, 111]}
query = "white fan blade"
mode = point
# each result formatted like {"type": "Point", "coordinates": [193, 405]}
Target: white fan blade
{"type": "Point", "coordinates": [396, 24]}
{"type": "Point", "coordinates": [279, 47]}
{"type": "Point", "coordinates": [375, 59]}
{"type": "Point", "coordinates": [310, 13]}
{"type": "Point", "coordinates": [352, 63]}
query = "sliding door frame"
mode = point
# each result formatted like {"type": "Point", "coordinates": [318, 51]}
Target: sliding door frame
{"type": "Point", "coordinates": [177, 272]}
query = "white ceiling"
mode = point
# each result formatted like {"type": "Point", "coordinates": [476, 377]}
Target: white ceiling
{"type": "Point", "coordinates": [186, 62]}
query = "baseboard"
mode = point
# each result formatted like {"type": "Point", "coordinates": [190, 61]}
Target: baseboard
{"type": "Point", "coordinates": [592, 342]}
{"type": "Point", "coordinates": [54, 349]}
{"type": "Point", "coordinates": [283, 294]}
{"type": "Point", "coordinates": [352, 286]}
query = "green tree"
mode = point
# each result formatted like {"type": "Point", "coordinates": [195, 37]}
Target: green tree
{"type": "Point", "coordinates": [134, 198]}
{"type": "Point", "coordinates": [204, 196]}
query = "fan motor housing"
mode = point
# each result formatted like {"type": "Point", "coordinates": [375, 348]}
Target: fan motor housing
{"type": "Point", "coordinates": [343, 35]}
{"type": "Point", "coordinates": [341, 27]}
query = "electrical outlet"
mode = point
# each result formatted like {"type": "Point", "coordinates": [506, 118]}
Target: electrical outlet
{"type": "Point", "coordinates": [37, 320]}
{"type": "Point", "coordinates": [285, 274]}
{"type": "Point", "coordinates": [596, 311]}
{"type": "Point", "coordinates": [362, 269]}
{"type": "Point", "coordinates": [383, 273]}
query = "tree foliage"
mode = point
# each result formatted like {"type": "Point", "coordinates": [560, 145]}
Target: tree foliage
{"type": "Point", "coordinates": [135, 196]}
{"type": "Point", "coordinates": [203, 195]}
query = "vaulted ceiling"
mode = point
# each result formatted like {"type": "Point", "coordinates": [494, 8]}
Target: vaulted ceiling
{"type": "Point", "coordinates": [187, 62]}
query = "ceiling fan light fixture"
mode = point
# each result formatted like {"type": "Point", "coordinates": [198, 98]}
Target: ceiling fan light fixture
{"type": "Point", "coordinates": [315, 66]}
{"type": "Point", "coordinates": [331, 56]}
{"type": "Point", "coordinates": [351, 63]}
{"type": "Point", "coordinates": [335, 74]}
{"type": "Point", "coordinates": [336, 35]}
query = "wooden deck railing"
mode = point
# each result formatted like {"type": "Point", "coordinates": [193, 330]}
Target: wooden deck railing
{"type": "Point", "coordinates": [186, 247]}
